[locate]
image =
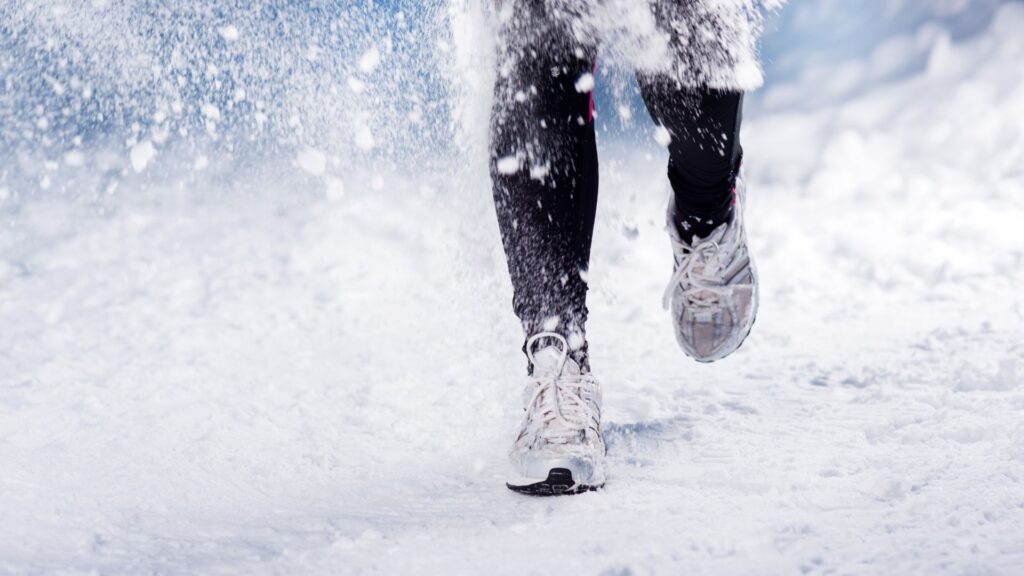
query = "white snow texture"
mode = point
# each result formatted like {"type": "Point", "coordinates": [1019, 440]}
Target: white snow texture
{"type": "Point", "coordinates": [308, 364]}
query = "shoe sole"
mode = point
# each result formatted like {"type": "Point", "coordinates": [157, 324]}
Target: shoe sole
{"type": "Point", "coordinates": [558, 483]}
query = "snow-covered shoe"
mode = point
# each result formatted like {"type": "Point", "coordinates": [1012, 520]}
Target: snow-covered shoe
{"type": "Point", "coordinates": [559, 448]}
{"type": "Point", "coordinates": [713, 293]}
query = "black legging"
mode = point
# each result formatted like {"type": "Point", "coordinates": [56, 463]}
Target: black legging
{"type": "Point", "coordinates": [544, 164]}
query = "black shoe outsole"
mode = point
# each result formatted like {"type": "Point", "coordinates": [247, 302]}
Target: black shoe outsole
{"type": "Point", "coordinates": [558, 483]}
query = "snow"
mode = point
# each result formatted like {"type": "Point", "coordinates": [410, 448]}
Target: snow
{"type": "Point", "coordinates": [229, 32]}
{"type": "Point", "coordinates": [369, 60]}
{"type": "Point", "coordinates": [509, 164]}
{"type": "Point", "coordinates": [142, 154]}
{"type": "Point", "coordinates": [247, 370]}
{"type": "Point", "coordinates": [364, 138]}
{"type": "Point", "coordinates": [312, 161]}
{"type": "Point", "coordinates": [662, 136]}
{"type": "Point", "coordinates": [211, 112]}
{"type": "Point", "coordinates": [335, 189]}
{"type": "Point", "coordinates": [585, 83]}
{"type": "Point", "coordinates": [74, 158]}
{"type": "Point", "coordinates": [356, 85]}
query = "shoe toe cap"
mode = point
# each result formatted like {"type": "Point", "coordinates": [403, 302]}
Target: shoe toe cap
{"type": "Point", "coordinates": [711, 334]}
{"type": "Point", "coordinates": [586, 469]}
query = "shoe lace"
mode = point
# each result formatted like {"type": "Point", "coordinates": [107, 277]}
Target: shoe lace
{"type": "Point", "coordinates": [694, 261]}
{"type": "Point", "coordinates": [559, 396]}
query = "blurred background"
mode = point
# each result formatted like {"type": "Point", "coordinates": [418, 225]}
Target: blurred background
{"type": "Point", "coordinates": [259, 76]}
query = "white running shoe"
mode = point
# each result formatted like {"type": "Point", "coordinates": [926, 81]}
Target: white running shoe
{"type": "Point", "coordinates": [559, 448]}
{"type": "Point", "coordinates": [713, 293]}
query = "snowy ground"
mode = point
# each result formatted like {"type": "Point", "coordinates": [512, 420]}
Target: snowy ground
{"type": "Point", "coordinates": [254, 379]}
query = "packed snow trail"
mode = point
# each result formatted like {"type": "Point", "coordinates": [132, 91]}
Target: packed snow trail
{"type": "Point", "coordinates": [242, 374]}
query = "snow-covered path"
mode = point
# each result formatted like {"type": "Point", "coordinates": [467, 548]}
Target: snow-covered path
{"type": "Point", "coordinates": [250, 379]}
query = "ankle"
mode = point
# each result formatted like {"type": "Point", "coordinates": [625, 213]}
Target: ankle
{"type": "Point", "coordinates": [690, 226]}
{"type": "Point", "coordinates": [577, 351]}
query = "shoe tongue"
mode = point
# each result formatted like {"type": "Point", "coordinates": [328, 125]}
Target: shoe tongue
{"type": "Point", "coordinates": [546, 363]}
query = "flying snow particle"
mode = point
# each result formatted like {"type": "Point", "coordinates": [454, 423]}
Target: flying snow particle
{"type": "Point", "coordinates": [356, 85]}
{"type": "Point", "coordinates": [661, 136]}
{"type": "Point", "coordinates": [508, 165]}
{"type": "Point", "coordinates": [335, 189]}
{"type": "Point", "coordinates": [369, 60]}
{"type": "Point", "coordinates": [160, 134]}
{"type": "Point", "coordinates": [625, 113]}
{"type": "Point", "coordinates": [74, 158]}
{"type": "Point", "coordinates": [539, 172]}
{"type": "Point", "coordinates": [585, 83]}
{"type": "Point", "coordinates": [576, 341]}
{"type": "Point", "coordinates": [57, 87]}
{"type": "Point", "coordinates": [312, 160]}
{"type": "Point", "coordinates": [364, 138]}
{"type": "Point", "coordinates": [229, 32]}
{"type": "Point", "coordinates": [748, 73]}
{"type": "Point", "coordinates": [141, 155]}
{"type": "Point", "coordinates": [211, 112]}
